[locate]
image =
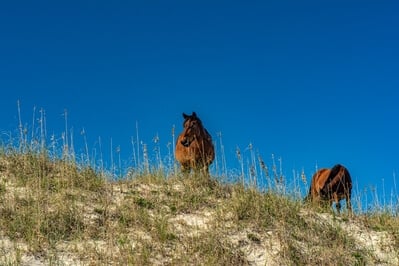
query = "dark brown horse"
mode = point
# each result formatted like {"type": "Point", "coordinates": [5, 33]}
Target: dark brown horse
{"type": "Point", "coordinates": [194, 147]}
{"type": "Point", "coordinates": [332, 185]}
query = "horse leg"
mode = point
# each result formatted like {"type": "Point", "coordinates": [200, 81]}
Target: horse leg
{"type": "Point", "coordinates": [185, 168]}
{"type": "Point", "coordinates": [337, 203]}
{"type": "Point", "coordinates": [349, 203]}
{"type": "Point", "coordinates": [205, 171]}
{"type": "Point", "coordinates": [338, 206]}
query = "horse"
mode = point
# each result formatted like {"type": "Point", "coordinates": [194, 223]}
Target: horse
{"type": "Point", "coordinates": [194, 146]}
{"type": "Point", "coordinates": [332, 185]}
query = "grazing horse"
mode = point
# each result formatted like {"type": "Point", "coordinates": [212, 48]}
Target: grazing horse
{"type": "Point", "coordinates": [332, 185]}
{"type": "Point", "coordinates": [194, 147]}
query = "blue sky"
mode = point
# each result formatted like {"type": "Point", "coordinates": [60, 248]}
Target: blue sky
{"type": "Point", "coordinates": [312, 82]}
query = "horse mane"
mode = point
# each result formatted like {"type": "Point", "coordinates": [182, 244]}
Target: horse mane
{"type": "Point", "coordinates": [336, 176]}
{"type": "Point", "coordinates": [207, 134]}
{"type": "Point", "coordinates": [194, 116]}
{"type": "Point", "coordinates": [334, 172]}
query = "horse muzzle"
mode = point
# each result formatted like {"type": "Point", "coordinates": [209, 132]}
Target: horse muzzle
{"type": "Point", "coordinates": [185, 142]}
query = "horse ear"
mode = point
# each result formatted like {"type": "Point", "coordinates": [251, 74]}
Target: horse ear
{"type": "Point", "coordinates": [194, 114]}
{"type": "Point", "coordinates": [185, 116]}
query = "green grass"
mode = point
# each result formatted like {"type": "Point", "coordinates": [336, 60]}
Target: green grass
{"type": "Point", "coordinates": [60, 211]}
{"type": "Point", "coordinates": [56, 206]}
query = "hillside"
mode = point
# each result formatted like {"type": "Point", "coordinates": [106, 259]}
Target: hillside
{"type": "Point", "coordinates": [54, 212]}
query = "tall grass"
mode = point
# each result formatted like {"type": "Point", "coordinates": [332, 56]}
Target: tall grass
{"type": "Point", "coordinates": [58, 203]}
{"type": "Point", "coordinates": [251, 168]}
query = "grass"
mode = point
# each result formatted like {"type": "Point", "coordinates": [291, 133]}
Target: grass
{"type": "Point", "coordinates": [56, 207]}
{"type": "Point", "coordinates": [58, 211]}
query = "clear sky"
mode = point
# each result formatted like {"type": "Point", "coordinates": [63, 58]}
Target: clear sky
{"type": "Point", "coordinates": [313, 82]}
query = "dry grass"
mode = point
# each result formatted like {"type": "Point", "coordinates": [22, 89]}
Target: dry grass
{"type": "Point", "coordinates": [55, 212]}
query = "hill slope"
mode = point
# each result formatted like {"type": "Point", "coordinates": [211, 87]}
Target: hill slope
{"type": "Point", "coordinates": [55, 212]}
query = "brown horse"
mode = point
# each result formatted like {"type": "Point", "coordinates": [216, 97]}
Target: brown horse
{"type": "Point", "coordinates": [194, 147]}
{"type": "Point", "coordinates": [332, 185]}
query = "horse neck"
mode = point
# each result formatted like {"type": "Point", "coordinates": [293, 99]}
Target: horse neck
{"type": "Point", "coordinates": [333, 180]}
{"type": "Point", "coordinates": [204, 134]}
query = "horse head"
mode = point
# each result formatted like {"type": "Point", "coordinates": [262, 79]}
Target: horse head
{"type": "Point", "coordinates": [192, 128]}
